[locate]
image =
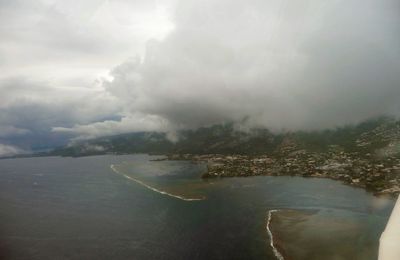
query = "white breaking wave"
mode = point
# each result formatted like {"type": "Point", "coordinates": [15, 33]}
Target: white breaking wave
{"type": "Point", "coordinates": [112, 166]}
{"type": "Point", "coordinates": [278, 255]}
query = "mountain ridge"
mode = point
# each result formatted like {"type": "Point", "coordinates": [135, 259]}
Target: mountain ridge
{"type": "Point", "coordinates": [366, 137]}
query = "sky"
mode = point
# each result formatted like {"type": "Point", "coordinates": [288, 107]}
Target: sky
{"type": "Point", "coordinates": [73, 70]}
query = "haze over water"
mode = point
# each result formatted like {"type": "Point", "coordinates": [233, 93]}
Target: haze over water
{"type": "Point", "coordinates": [79, 208]}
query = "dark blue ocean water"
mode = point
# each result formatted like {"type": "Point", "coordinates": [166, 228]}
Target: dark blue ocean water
{"type": "Point", "coordinates": [79, 208]}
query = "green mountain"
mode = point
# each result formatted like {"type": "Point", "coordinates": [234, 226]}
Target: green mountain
{"type": "Point", "coordinates": [378, 136]}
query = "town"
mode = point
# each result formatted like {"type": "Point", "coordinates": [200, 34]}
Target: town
{"type": "Point", "coordinates": [377, 174]}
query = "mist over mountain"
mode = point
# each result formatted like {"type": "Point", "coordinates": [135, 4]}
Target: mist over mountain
{"type": "Point", "coordinates": [371, 136]}
{"type": "Point", "coordinates": [166, 66]}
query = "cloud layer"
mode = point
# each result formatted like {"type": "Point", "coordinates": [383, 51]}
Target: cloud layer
{"type": "Point", "coordinates": [276, 64]}
{"type": "Point", "coordinates": [9, 150]}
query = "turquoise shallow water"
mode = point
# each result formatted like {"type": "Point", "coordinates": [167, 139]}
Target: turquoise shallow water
{"type": "Point", "coordinates": [79, 208]}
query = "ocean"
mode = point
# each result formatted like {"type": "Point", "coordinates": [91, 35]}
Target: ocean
{"type": "Point", "coordinates": [132, 207]}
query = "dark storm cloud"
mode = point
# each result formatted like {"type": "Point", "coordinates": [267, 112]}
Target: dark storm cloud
{"type": "Point", "coordinates": [54, 53]}
{"type": "Point", "coordinates": [29, 109]}
{"type": "Point", "coordinates": [278, 64]}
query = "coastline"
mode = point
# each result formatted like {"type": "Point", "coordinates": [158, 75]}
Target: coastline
{"type": "Point", "coordinates": [373, 176]}
{"type": "Point", "coordinates": [277, 254]}
{"type": "Point", "coordinates": [112, 166]}
{"type": "Point", "coordinates": [302, 233]}
{"type": "Point", "coordinates": [377, 176]}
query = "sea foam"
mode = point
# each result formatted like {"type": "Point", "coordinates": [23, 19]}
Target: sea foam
{"type": "Point", "coordinates": [278, 255]}
{"type": "Point", "coordinates": [112, 166]}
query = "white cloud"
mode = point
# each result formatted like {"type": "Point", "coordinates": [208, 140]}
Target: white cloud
{"type": "Point", "coordinates": [277, 64]}
{"type": "Point", "coordinates": [9, 150]}
{"type": "Point", "coordinates": [131, 123]}
{"type": "Point", "coordinates": [58, 41]}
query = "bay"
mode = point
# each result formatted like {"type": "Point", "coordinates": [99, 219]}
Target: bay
{"type": "Point", "coordinates": [80, 208]}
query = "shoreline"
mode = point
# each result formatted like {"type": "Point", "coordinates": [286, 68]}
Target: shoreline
{"type": "Point", "coordinates": [300, 233]}
{"type": "Point", "coordinates": [392, 195]}
{"type": "Point", "coordinates": [112, 166]}
{"type": "Point", "coordinates": [277, 254]}
{"type": "Point", "coordinates": [378, 177]}
{"type": "Point", "coordinates": [390, 187]}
